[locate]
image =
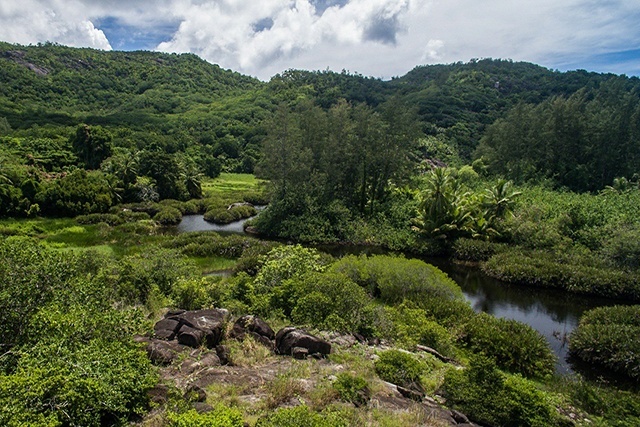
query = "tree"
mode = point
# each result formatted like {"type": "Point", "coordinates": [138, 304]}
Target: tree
{"type": "Point", "coordinates": [92, 144]}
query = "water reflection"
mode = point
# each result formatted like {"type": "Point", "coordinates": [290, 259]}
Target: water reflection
{"type": "Point", "coordinates": [551, 312]}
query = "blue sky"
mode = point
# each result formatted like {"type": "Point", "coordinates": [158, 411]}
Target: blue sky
{"type": "Point", "coordinates": [381, 38]}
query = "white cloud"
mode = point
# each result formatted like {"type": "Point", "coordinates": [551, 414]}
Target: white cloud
{"type": "Point", "coordinates": [32, 21]}
{"type": "Point", "coordinates": [374, 37]}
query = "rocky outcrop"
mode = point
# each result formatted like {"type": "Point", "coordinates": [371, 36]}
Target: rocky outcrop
{"type": "Point", "coordinates": [255, 327]}
{"type": "Point", "coordinates": [288, 339]}
{"type": "Point", "coordinates": [193, 328]}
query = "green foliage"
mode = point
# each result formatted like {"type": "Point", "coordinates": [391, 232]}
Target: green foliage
{"type": "Point", "coordinates": [352, 389]}
{"type": "Point", "coordinates": [99, 383]}
{"type": "Point", "coordinates": [168, 216]}
{"type": "Point", "coordinates": [193, 294]}
{"type": "Point", "coordinates": [92, 144]}
{"type": "Point", "coordinates": [138, 275]}
{"type": "Point", "coordinates": [224, 215]}
{"type": "Point", "coordinates": [401, 368]}
{"type": "Point", "coordinates": [395, 279]}
{"type": "Point", "coordinates": [609, 336]}
{"type": "Point", "coordinates": [77, 193]}
{"type": "Point", "coordinates": [412, 326]}
{"type": "Point", "coordinates": [615, 407]}
{"type": "Point", "coordinates": [466, 249]}
{"type": "Point", "coordinates": [582, 141]}
{"type": "Point", "coordinates": [302, 416]}
{"type": "Point", "coordinates": [325, 300]}
{"type": "Point", "coordinates": [220, 417]}
{"type": "Point", "coordinates": [486, 395]}
{"type": "Point", "coordinates": [514, 346]}
{"type": "Point", "coordinates": [569, 271]}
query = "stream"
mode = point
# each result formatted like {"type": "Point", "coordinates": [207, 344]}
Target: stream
{"type": "Point", "coordinates": [553, 313]}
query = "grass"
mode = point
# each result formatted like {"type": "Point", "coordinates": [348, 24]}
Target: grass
{"type": "Point", "coordinates": [230, 184]}
{"type": "Point", "coordinates": [212, 264]}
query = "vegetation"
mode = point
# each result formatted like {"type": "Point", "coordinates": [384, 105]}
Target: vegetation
{"type": "Point", "coordinates": [608, 336]}
{"type": "Point", "coordinates": [530, 173]}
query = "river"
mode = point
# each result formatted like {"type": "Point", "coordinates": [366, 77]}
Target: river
{"type": "Point", "coordinates": [553, 313]}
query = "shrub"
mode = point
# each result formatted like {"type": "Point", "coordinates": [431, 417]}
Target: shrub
{"type": "Point", "coordinates": [192, 294]}
{"type": "Point", "coordinates": [395, 279]}
{"type": "Point", "coordinates": [221, 416]}
{"type": "Point", "coordinates": [610, 337]}
{"type": "Point", "coordinates": [168, 216]}
{"type": "Point", "coordinates": [302, 416]}
{"type": "Point", "coordinates": [514, 346]}
{"type": "Point", "coordinates": [411, 326]}
{"type": "Point", "coordinates": [401, 368]}
{"type": "Point", "coordinates": [352, 389]}
{"type": "Point", "coordinates": [488, 396]}
{"type": "Point", "coordinates": [474, 250]}
{"type": "Point", "coordinates": [568, 271]}
{"type": "Point", "coordinates": [100, 383]}
{"type": "Point", "coordinates": [110, 219]}
{"type": "Point", "coordinates": [326, 300]}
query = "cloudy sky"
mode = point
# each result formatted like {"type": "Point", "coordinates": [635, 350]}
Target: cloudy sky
{"type": "Point", "coordinates": [380, 38]}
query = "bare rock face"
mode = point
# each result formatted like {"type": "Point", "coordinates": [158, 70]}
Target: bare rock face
{"type": "Point", "coordinates": [254, 326]}
{"type": "Point", "coordinates": [193, 328]}
{"type": "Point", "coordinates": [163, 352]}
{"type": "Point", "coordinates": [289, 338]}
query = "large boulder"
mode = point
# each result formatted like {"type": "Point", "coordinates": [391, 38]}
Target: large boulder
{"type": "Point", "coordinates": [193, 328]}
{"type": "Point", "coordinates": [289, 338]}
{"type": "Point", "coordinates": [254, 326]}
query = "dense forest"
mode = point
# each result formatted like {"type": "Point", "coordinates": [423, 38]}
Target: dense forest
{"type": "Point", "coordinates": [530, 174]}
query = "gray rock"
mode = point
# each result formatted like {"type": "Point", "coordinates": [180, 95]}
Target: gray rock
{"type": "Point", "coordinates": [163, 352]}
{"type": "Point", "coordinates": [254, 326]}
{"type": "Point", "coordinates": [299, 353]}
{"type": "Point", "coordinates": [289, 337]}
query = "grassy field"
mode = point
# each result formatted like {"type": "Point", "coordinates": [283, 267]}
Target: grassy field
{"type": "Point", "coordinates": [68, 235]}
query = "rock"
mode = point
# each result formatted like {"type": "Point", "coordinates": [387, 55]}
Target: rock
{"type": "Point", "coordinates": [190, 336]}
{"type": "Point", "coordinates": [209, 360]}
{"type": "Point", "coordinates": [299, 353]}
{"type": "Point", "coordinates": [411, 394]}
{"type": "Point", "coordinates": [254, 326]}
{"type": "Point", "coordinates": [195, 394]}
{"type": "Point", "coordinates": [289, 337]}
{"type": "Point", "coordinates": [224, 354]}
{"type": "Point", "coordinates": [193, 328]}
{"type": "Point", "coordinates": [159, 394]}
{"type": "Point", "coordinates": [166, 329]}
{"type": "Point", "coordinates": [163, 352]}
{"type": "Point", "coordinates": [202, 407]}
{"type": "Point", "coordinates": [459, 417]}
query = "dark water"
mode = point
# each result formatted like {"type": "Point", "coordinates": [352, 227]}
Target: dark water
{"type": "Point", "coordinates": [197, 223]}
{"type": "Point", "coordinates": [553, 313]}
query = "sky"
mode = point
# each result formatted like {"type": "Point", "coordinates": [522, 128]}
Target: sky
{"type": "Point", "coordinates": [379, 38]}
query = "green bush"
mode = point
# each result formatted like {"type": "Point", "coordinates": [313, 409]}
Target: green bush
{"type": "Point", "coordinates": [192, 294]}
{"type": "Point", "coordinates": [326, 300]}
{"type": "Point", "coordinates": [474, 250]}
{"type": "Point", "coordinates": [302, 416]}
{"type": "Point", "coordinates": [616, 407]}
{"type": "Point", "coordinates": [569, 271]}
{"type": "Point", "coordinates": [223, 215]}
{"type": "Point", "coordinates": [395, 279]}
{"type": "Point", "coordinates": [352, 389]}
{"type": "Point", "coordinates": [514, 346]}
{"type": "Point", "coordinates": [220, 417]}
{"type": "Point", "coordinates": [486, 395]}
{"type": "Point", "coordinates": [411, 326]}
{"type": "Point", "coordinates": [168, 216]}
{"type": "Point", "coordinates": [110, 219]}
{"type": "Point", "coordinates": [401, 368]}
{"type": "Point", "coordinates": [100, 383]}
{"type": "Point", "coordinates": [610, 337]}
